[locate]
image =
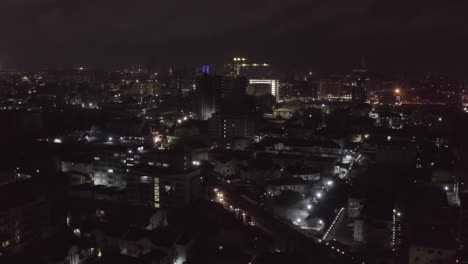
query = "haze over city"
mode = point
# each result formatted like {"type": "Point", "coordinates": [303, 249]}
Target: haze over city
{"type": "Point", "coordinates": [246, 132]}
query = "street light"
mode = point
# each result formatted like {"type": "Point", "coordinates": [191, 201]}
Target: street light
{"type": "Point", "coordinates": [309, 207]}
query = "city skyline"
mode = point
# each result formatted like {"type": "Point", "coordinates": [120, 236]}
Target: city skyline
{"type": "Point", "coordinates": [242, 132]}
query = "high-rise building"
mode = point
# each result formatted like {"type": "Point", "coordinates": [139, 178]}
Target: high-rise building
{"type": "Point", "coordinates": [232, 89]}
{"type": "Point", "coordinates": [242, 67]}
{"type": "Point", "coordinates": [258, 75]}
{"type": "Point", "coordinates": [213, 92]}
{"type": "Point", "coordinates": [205, 95]}
{"type": "Point", "coordinates": [359, 81]}
{"type": "Point", "coordinates": [257, 87]}
{"type": "Point", "coordinates": [330, 88]}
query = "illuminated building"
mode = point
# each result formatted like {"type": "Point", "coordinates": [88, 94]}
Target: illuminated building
{"type": "Point", "coordinates": [228, 126]}
{"type": "Point", "coordinates": [465, 103]}
{"type": "Point", "coordinates": [273, 86]}
{"type": "Point", "coordinates": [330, 88]}
{"type": "Point", "coordinates": [78, 170]}
{"type": "Point", "coordinates": [241, 67]}
{"type": "Point", "coordinates": [166, 187]}
{"type": "Point", "coordinates": [110, 166]}
{"type": "Point", "coordinates": [386, 96]}
{"type": "Point", "coordinates": [205, 96]}
{"type": "Point", "coordinates": [147, 178]}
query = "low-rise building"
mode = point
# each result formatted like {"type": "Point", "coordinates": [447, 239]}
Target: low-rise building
{"type": "Point", "coordinates": [167, 188]}
{"type": "Point", "coordinates": [431, 245]}
{"type": "Point", "coordinates": [24, 217]}
{"type": "Point", "coordinates": [276, 187]}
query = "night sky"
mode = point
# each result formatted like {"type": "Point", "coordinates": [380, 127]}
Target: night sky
{"type": "Point", "coordinates": [398, 35]}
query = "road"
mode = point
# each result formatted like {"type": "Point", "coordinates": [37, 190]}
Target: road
{"type": "Point", "coordinates": [341, 232]}
{"type": "Point", "coordinates": [287, 236]}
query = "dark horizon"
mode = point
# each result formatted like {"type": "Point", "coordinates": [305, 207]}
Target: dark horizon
{"type": "Point", "coordinates": [321, 36]}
